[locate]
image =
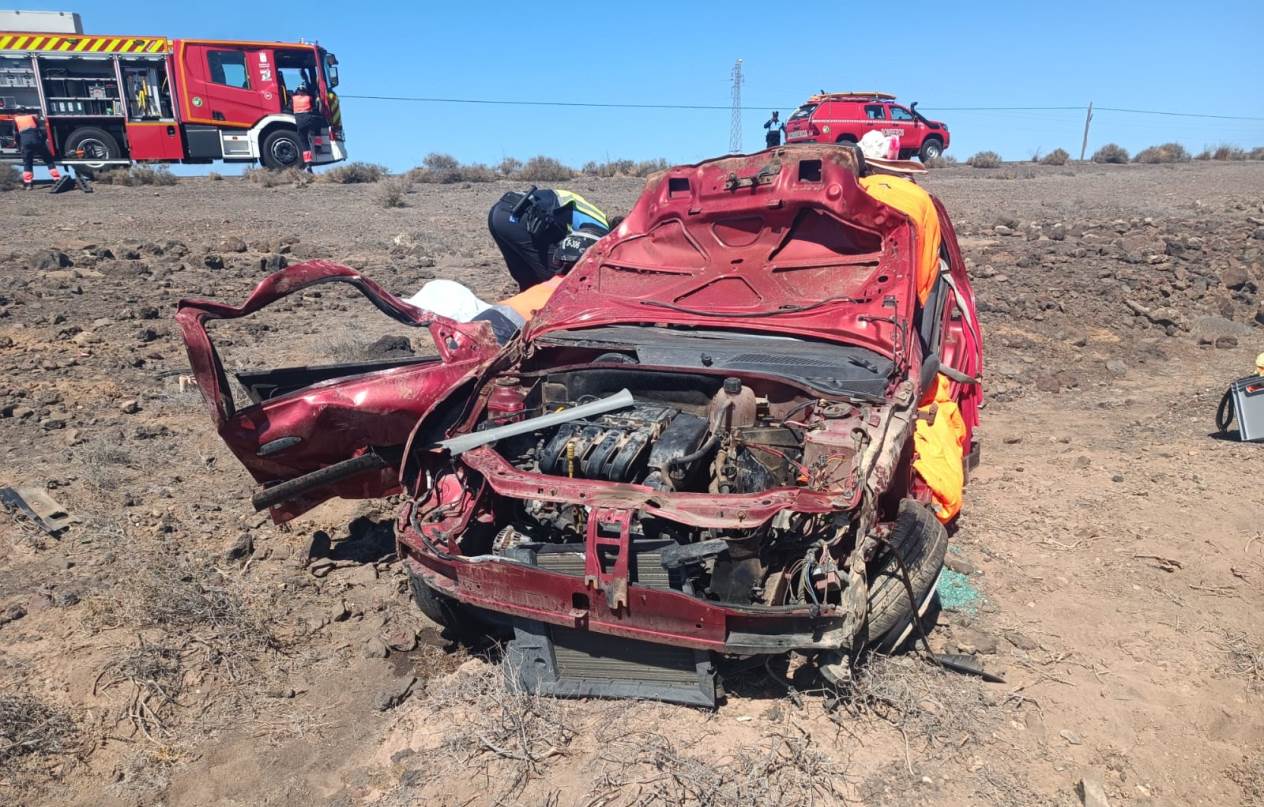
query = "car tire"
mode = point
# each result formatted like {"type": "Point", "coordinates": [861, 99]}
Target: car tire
{"type": "Point", "coordinates": [443, 610]}
{"type": "Point", "coordinates": [922, 543]}
{"type": "Point", "coordinates": [281, 149]}
{"type": "Point", "coordinates": [96, 144]}
{"type": "Point", "coordinates": [846, 138]}
{"type": "Point", "coordinates": [932, 148]}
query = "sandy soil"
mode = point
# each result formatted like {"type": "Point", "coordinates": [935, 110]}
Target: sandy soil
{"type": "Point", "coordinates": [172, 647]}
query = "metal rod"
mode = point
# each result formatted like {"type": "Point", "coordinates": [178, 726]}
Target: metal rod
{"type": "Point", "coordinates": [465, 442]}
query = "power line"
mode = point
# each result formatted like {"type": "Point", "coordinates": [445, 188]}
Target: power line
{"type": "Point", "coordinates": [751, 108]}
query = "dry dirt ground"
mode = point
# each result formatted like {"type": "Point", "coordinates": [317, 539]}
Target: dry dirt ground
{"type": "Point", "coordinates": [172, 647]}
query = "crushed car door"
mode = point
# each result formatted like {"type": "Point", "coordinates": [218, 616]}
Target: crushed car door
{"type": "Point", "coordinates": [312, 433]}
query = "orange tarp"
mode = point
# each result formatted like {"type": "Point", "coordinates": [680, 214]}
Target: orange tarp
{"type": "Point", "coordinates": [905, 196]}
{"type": "Point", "coordinates": [940, 448]}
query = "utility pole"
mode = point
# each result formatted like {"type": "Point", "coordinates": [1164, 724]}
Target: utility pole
{"type": "Point", "coordinates": [735, 125]}
{"type": "Point", "coordinates": [1087, 120]}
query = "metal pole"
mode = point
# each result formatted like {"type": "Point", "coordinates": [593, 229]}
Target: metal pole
{"type": "Point", "coordinates": [1087, 119]}
{"type": "Point", "coordinates": [735, 125]}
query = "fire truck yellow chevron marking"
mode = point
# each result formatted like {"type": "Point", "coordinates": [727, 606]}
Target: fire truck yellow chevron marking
{"type": "Point", "coordinates": [37, 42]}
{"type": "Point", "coordinates": [20, 42]}
{"type": "Point", "coordinates": [84, 44]}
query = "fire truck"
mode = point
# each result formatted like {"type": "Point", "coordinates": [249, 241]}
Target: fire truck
{"type": "Point", "coordinates": [114, 100]}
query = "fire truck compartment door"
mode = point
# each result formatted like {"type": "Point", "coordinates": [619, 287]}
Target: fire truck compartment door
{"type": "Point", "coordinates": [155, 141]}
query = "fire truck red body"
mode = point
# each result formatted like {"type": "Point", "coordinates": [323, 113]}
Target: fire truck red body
{"type": "Point", "coordinates": [113, 100]}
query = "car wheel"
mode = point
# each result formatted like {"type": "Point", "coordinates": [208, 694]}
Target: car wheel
{"type": "Point", "coordinates": [96, 144]}
{"type": "Point", "coordinates": [932, 149]}
{"type": "Point", "coordinates": [443, 610]}
{"type": "Point", "coordinates": [281, 149]}
{"type": "Point", "coordinates": [846, 138]}
{"type": "Point", "coordinates": [921, 542]}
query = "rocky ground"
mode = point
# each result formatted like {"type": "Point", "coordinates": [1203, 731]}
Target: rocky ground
{"type": "Point", "coordinates": [172, 647]}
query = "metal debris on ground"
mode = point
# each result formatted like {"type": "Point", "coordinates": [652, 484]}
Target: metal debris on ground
{"type": "Point", "coordinates": [38, 506]}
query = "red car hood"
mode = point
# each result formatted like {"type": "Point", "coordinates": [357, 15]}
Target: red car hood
{"type": "Point", "coordinates": [783, 241]}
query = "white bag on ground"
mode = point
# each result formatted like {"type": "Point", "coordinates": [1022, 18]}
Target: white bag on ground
{"type": "Point", "coordinates": [878, 146]}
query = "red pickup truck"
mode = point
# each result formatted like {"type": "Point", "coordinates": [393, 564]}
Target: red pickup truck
{"type": "Point", "coordinates": [845, 117]}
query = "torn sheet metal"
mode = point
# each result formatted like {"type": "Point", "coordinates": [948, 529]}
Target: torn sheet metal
{"type": "Point", "coordinates": [38, 506]}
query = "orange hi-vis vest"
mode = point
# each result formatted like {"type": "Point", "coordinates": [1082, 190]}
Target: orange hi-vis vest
{"type": "Point", "coordinates": [302, 103]}
{"type": "Point", "coordinates": [24, 122]}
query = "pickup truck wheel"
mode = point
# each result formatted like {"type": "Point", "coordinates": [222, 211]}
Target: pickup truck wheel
{"type": "Point", "coordinates": [921, 542]}
{"type": "Point", "coordinates": [932, 149]}
{"type": "Point", "coordinates": [281, 149]}
{"type": "Point", "coordinates": [846, 138]}
{"type": "Point", "coordinates": [96, 144]}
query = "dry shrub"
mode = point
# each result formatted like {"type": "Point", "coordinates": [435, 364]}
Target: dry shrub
{"type": "Point", "coordinates": [1165, 153]}
{"type": "Point", "coordinates": [625, 168]}
{"type": "Point", "coordinates": [787, 768]}
{"type": "Point", "coordinates": [444, 169]}
{"type": "Point", "coordinates": [1257, 153]}
{"type": "Point", "coordinates": [192, 603]}
{"type": "Point", "coordinates": [501, 724]}
{"type": "Point", "coordinates": [391, 193]}
{"type": "Point", "coordinates": [942, 161]}
{"type": "Point", "coordinates": [1225, 152]}
{"type": "Point", "coordinates": [136, 175]}
{"type": "Point", "coordinates": [1111, 153]}
{"type": "Point", "coordinates": [985, 159]}
{"type": "Point", "coordinates": [10, 179]}
{"type": "Point", "coordinates": [270, 178]}
{"type": "Point", "coordinates": [509, 166]}
{"type": "Point", "coordinates": [545, 169]}
{"type": "Point", "coordinates": [215, 176]}
{"type": "Point", "coordinates": [1243, 658]}
{"type": "Point", "coordinates": [154, 674]}
{"type": "Point", "coordinates": [101, 463]}
{"type": "Point", "coordinates": [354, 173]}
{"type": "Point", "coordinates": [917, 698]}
{"type": "Point", "coordinates": [1055, 157]}
{"type": "Point", "coordinates": [29, 727]}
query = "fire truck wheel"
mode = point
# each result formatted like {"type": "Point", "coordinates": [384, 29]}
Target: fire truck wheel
{"type": "Point", "coordinates": [932, 149]}
{"type": "Point", "coordinates": [96, 144]}
{"type": "Point", "coordinates": [280, 149]}
{"type": "Point", "coordinates": [845, 138]}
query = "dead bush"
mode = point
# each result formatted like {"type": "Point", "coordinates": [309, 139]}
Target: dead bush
{"type": "Point", "coordinates": [1257, 153]}
{"type": "Point", "coordinates": [788, 767]}
{"type": "Point", "coordinates": [29, 727]}
{"type": "Point", "coordinates": [153, 674]}
{"type": "Point", "coordinates": [10, 179]}
{"type": "Point", "coordinates": [444, 169]}
{"type": "Point", "coordinates": [215, 176]}
{"type": "Point", "coordinates": [1243, 658]}
{"type": "Point", "coordinates": [1111, 153]}
{"type": "Point", "coordinates": [942, 161]}
{"type": "Point", "coordinates": [544, 169]}
{"type": "Point", "coordinates": [1165, 153]}
{"type": "Point", "coordinates": [354, 173]}
{"type": "Point", "coordinates": [522, 730]}
{"type": "Point", "coordinates": [985, 159]}
{"type": "Point", "coordinates": [1225, 152]}
{"type": "Point", "coordinates": [509, 166]}
{"type": "Point", "coordinates": [136, 175]}
{"type": "Point", "coordinates": [1055, 157]}
{"type": "Point", "coordinates": [391, 193]}
{"type": "Point", "coordinates": [275, 178]}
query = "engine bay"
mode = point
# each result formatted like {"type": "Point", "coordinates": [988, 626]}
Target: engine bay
{"type": "Point", "coordinates": [689, 433]}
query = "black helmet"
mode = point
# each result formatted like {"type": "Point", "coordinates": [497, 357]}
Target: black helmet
{"type": "Point", "coordinates": [571, 248]}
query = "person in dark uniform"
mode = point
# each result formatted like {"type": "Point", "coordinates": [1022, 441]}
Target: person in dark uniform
{"type": "Point", "coordinates": [775, 127]}
{"type": "Point", "coordinates": [32, 143]}
{"type": "Point", "coordinates": [532, 231]}
{"type": "Point", "coordinates": [309, 122]}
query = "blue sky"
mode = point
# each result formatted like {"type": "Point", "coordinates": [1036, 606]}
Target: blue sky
{"type": "Point", "coordinates": [1159, 55]}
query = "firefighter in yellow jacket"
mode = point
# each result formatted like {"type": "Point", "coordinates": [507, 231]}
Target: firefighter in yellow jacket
{"type": "Point", "coordinates": [32, 143]}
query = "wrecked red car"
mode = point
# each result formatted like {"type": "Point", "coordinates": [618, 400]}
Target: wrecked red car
{"type": "Point", "coordinates": [717, 439]}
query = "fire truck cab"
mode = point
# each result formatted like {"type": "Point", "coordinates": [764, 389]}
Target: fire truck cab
{"type": "Point", "coordinates": [113, 100]}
